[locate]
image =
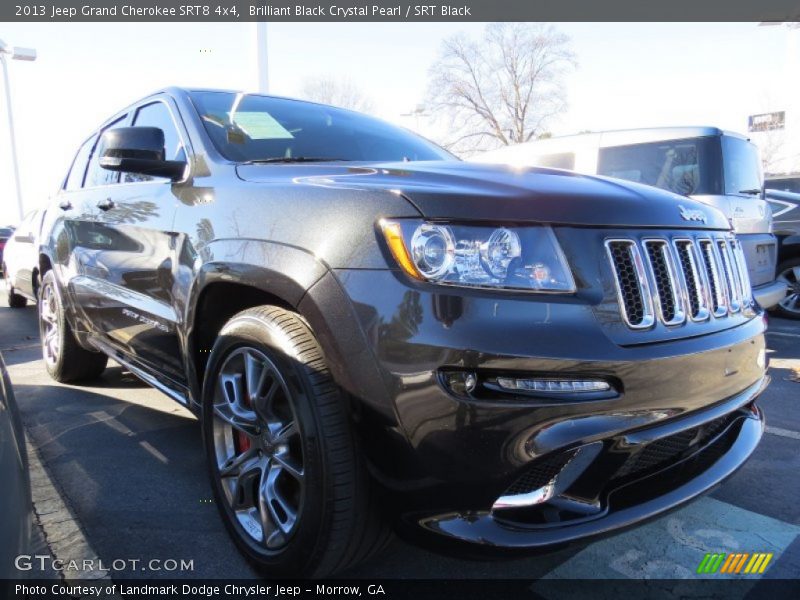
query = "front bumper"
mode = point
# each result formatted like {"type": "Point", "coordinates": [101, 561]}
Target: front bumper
{"type": "Point", "coordinates": [447, 459]}
{"type": "Point", "coordinates": [769, 294]}
{"type": "Point", "coordinates": [627, 499]}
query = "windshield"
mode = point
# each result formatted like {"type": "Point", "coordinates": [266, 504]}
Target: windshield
{"type": "Point", "coordinates": [685, 166]}
{"type": "Point", "coordinates": [247, 127]}
{"type": "Point", "coordinates": [742, 167]}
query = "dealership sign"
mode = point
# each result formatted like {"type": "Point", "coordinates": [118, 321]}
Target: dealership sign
{"type": "Point", "coordinates": [766, 121]}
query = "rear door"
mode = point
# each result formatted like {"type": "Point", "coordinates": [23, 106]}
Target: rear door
{"type": "Point", "coordinates": [77, 236]}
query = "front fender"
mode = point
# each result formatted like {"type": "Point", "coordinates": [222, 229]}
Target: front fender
{"type": "Point", "coordinates": [278, 269]}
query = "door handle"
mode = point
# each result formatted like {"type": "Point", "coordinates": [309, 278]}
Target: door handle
{"type": "Point", "coordinates": [106, 204]}
{"type": "Point", "coordinates": [65, 205]}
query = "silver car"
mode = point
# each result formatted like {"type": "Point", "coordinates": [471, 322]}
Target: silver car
{"type": "Point", "coordinates": [717, 167]}
{"type": "Point", "coordinates": [20, 262]}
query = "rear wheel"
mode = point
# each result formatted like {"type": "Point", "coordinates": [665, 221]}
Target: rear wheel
{"type": "Point", "coordinates": [64, 359]}
{"type": "Point", "coordinates": [789, 273]}
{"type": "Point", "coordinates": [285, 468]}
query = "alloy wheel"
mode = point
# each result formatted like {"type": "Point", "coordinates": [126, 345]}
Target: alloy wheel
{"type": "Point", "coordinates": [791, 302]}
{"type": "Point", "coordinates": [48, 313]}
{"type": "Point", "coordinates": [258, 447]}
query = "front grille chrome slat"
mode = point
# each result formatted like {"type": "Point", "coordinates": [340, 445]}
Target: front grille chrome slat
{"type": "Point", "coordinates": [633, 290]}
{"type": "Point", "coordinates": [744, 276]}
{"type": "Point", "coordinates": [731, 277]}
{"type": "Point", "coordinates": [668, 295]}
{"type": "Point", "coordinates": [713, 272]}
{"type": "Point", "coordinates": [694, 282]}
{"type": "Point", "coordinates": [678, 280]}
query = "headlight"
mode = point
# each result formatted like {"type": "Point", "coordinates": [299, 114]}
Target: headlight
{"type": "Point", "coordinates": [520, 258]}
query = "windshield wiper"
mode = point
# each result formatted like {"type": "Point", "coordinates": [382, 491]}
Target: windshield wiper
{"type": "Point", "coordinates": [751, 192]}
{"type": "Point", "coordinates": [293, 159]}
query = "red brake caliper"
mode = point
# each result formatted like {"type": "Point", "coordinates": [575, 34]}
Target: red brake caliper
{"type": "Point", "coordinates": [240, 440]}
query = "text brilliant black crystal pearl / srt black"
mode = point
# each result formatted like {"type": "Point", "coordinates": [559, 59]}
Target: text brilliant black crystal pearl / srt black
{"type": "Point", "coordinates": [374, 332]}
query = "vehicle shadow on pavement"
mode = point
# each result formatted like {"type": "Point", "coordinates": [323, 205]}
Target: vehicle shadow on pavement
{"type": "Point", "coordinates": [135, 478]}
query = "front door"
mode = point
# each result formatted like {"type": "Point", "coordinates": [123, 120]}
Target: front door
{"type": "Point", "coordinates": [139, 262]}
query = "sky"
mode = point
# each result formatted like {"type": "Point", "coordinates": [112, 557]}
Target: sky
{"type": "Point", "coordinates": [628, 75]}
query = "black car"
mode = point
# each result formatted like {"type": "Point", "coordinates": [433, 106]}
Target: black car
{"type": "Point", "coordinates": [373, 332]}
{"type": "Point", "coordinates": [785, 207]}
{"type": "Point", "coordinates": [16, 510]}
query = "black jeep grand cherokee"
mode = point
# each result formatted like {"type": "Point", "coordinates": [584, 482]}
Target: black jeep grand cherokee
{"type": "Point", "coordinates": [369, 328]}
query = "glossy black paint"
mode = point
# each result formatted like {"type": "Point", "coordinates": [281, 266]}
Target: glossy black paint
{"type": "Point", "coordinates": [630, 503]}
{"type": "Point", "coordinates": [16, 510]}
{"type": "Point", "coordinates": [148, 266]}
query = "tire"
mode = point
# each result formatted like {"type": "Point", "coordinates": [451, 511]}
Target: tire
{"type": "Point", "coordinates": [15, 300]}
{"type": "Point", "coordinates": [65, 360]}
{"type": "Point", "coordinates": [789, 272]}
{"type": "Point", "coordinates": [287, 477]}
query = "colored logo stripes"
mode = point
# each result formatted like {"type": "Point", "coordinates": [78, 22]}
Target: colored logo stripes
{"type": "Point", "coordinates": [735, 563]}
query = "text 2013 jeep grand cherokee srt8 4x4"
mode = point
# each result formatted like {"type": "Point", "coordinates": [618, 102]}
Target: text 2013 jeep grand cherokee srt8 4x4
{"type": "Point", "coordinates": [371, 330]}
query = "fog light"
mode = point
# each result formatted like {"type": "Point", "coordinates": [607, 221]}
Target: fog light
{"type": "Point", "coordinates": [462, 382]}
{"type": "Point", "coordinates": [567, 386]}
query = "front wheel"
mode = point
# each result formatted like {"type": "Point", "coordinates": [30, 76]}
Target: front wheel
{"type": "Point", "coordinates": [65, 360]}
{"type": "Point", "coordinates": [789, 273]}
{"type": "Point", "coordinates": [285, 468]}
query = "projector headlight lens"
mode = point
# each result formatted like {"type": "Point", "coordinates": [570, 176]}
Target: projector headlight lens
{"type": "Point", "coordinates": [433, 250]}
{"type": "Point", "coordinates": [515, 258]}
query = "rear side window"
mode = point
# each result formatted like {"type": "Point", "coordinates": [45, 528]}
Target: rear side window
{"type": "Point", "coordinates": [76, 173]}
{"type": "Point", "coordinates": [685, 166]}
{"type": "Point", "coordinates": [97, 175]}
{"type": "Point", "coordinates": [158, 115]}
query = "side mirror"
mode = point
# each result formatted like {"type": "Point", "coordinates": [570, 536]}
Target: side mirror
{"type": "Point", "coordinates": [138, 150]}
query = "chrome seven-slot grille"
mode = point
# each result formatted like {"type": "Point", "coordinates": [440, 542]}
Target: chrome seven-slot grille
{"type": "Point", "coordinates": [678, 279]}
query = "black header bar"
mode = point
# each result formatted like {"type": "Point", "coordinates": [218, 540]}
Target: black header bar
{"type": "Point", "coordinates": [399, 10]}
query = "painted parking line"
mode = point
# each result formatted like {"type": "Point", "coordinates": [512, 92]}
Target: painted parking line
{"type": "Point", "coordinates": [674, 547]}
{"type": "Point", "coordinates": [788, 433]}
{"type": "Point", "coordinates": [783, 334]}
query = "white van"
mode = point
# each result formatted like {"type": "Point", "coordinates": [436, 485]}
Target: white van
{"type": "Point", "coordinates": [708, 164]}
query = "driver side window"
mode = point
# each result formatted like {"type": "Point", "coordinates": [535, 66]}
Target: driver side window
{"type": "Point", "coordinates": [156, 114]}
{"type": "Point", "coordinates": [97, 175]}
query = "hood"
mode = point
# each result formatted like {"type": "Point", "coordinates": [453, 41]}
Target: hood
{"type": "Point", "coordinates": [468, 191]}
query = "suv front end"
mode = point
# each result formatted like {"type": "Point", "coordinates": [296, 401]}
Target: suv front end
{"type": "Point", "coordinates": [528, 419]}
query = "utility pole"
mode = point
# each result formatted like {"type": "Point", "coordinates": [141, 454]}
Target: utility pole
{"type": "Point", "coordinates": [262, 60]}
{"type": "Point", "coordinates": [16, 54]}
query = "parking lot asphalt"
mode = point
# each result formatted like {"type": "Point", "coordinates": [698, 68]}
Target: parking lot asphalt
{"type": "Point", "coordinates": [128, 465]}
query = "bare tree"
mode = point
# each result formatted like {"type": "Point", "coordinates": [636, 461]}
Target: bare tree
{"type": "Point", "coordinates": [771, 144]}
{"type": "Point", "coordinates": [501, 89]}
{"type": "Point", "coordinates": [337, 92]}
